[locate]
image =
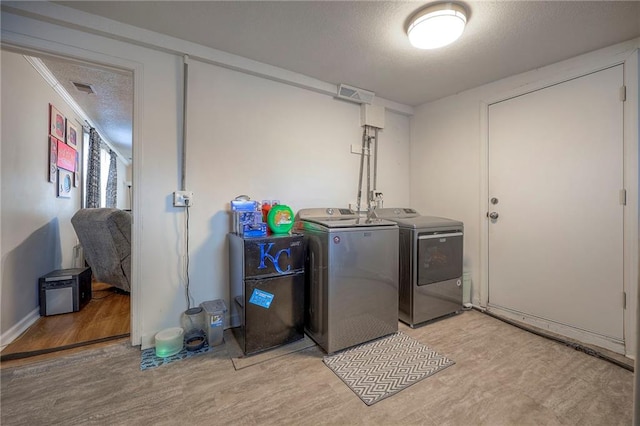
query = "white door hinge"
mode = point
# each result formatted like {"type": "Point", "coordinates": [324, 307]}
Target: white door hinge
{"type": "Point", "coordinates": [623, 197]}
{"type": "Point", "coordinates": [623, 93]}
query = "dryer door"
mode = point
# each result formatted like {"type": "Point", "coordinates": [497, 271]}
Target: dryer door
{"type": "Point", "coordinates": [439, 256]}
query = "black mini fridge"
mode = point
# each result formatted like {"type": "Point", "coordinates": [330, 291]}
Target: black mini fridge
{"type": "Point", "coordinates": [266, 277]}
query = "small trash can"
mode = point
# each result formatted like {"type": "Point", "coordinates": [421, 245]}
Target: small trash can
{"type": "Point", "coordinates": [214, 312]}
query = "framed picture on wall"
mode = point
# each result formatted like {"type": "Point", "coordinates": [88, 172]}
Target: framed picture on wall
{"type": "Point", "coordinates": [53, 159]}
{"type": "Point", "coordinates": [66, 157]}
{"type": "Point", "coordinates": [57, 123]}
{"type": "Point", "coordinates": [65, 182]}
{"type": "Point", "coordinates": [72, 133]}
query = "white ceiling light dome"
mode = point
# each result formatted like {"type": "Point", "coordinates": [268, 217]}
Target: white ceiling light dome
{"type": "Point", "coordinates": [437, 25]}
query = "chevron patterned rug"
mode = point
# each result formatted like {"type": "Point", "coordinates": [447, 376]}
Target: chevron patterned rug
{"type": "Point", "coordinates": [381, 368]}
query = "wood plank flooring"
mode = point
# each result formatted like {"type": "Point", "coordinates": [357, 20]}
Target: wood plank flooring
{"type": "Point", "coordinates": [503, 376]}
{"type": "Point", "coordinates": [106, 316]}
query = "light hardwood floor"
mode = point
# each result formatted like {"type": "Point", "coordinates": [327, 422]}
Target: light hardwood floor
{"type": "Point", "coordinates": [105, 317]}
{"type": "Point", "coordinates": [502, 376]}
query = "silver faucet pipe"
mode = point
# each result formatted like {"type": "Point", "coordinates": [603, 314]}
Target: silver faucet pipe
{"type": "Point", "coordinates": [359, 198]}
{"type": "Point", "coordinates": [185, 86]}
{"type": "Point", "coordinates": [375, 162]}
{"type": "Point", "coordinates": [368, 170]}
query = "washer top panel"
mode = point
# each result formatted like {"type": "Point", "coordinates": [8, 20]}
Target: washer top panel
{"type": "Point", "coordinates": [349, 223]}
{"type": "Point", "coordinates": [326, 212]}
{"type": "Point", "coordinates": [339, 218]}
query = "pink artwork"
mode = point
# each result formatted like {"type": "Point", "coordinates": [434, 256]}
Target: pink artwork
{"type": "Point", "coordinates": [66, 157]}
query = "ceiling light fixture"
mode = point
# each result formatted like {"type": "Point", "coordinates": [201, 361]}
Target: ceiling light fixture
{"type": "Point", "coordinates": [436, 25]}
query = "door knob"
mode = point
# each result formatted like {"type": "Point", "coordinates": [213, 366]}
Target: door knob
{"type": "Point", "coordinates": [493, 215]}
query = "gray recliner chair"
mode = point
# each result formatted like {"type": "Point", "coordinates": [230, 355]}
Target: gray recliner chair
{"type": "Point", "coordinates": [105, 237]}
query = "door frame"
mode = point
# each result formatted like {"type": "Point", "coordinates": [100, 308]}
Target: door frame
{"type": "Point", "coordinates": [29, 45]}
{"type": "Point", "coordinates": [549, 76]}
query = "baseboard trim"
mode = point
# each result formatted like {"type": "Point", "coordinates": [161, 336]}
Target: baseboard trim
{"type": "Point", "coordinates": [14, 332]}
{"type": "Point", "coordinates": [21, 355]}
{"type": "Point", "coordinates": [609, 343]}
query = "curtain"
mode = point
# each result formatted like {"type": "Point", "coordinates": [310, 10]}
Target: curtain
{"type": "Point", "coordinates": [93, 170]}
{"type": "Point", "coordinates": [112, 181]}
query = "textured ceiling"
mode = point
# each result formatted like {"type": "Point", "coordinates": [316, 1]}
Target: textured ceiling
{"type": "Point", "coordinates": [364, 44]}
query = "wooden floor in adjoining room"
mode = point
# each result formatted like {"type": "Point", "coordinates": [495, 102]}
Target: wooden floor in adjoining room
{"type": "Point", "coordinates": [106, 317]}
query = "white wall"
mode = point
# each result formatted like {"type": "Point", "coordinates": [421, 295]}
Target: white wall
{"type": "Point", "coordinates": [37, 236]}
{"type": "Point", "coordinates": [246, 135]}
{"type": "Point", "coordinates": [448, 161]}
{"type": "Point", "coordinates": [445, 166]}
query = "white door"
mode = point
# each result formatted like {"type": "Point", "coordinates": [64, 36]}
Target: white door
{"type": "Point", "coordinates": [556, 175]}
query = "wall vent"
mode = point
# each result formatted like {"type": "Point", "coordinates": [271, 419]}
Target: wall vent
{"type": "Point", "coordinates": [84, 87]}
{"type": "Point", "coordinates": [354, 94]}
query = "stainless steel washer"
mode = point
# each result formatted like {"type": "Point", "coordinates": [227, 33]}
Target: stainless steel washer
{"type": "Point", "coordinates": [430, 275]}
{"type": "Point", "coordinates": [351, 292]}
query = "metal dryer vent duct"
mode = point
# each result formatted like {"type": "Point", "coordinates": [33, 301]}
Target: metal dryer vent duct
{"type": "Point", "coordinates": [355, 94]}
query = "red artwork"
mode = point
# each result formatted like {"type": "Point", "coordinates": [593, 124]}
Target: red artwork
{"type": "Point", "coordinates": [66, 157]}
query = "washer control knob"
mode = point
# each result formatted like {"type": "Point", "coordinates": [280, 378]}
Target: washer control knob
{"type": "Point", "coordinates": [330, 211]}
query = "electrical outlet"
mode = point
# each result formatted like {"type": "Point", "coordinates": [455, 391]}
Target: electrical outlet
{"type": "Point", "coordinates": [183, 199]}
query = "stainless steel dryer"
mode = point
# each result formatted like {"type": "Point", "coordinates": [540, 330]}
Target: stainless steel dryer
{"type": "Point", "coordinates": [430, 275]}
{"type": "Point", "coordinates": [351, 292]}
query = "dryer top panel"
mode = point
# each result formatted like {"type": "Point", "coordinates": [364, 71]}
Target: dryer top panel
{"type": "Point", "coordinates": [428, 222]}
{"type": "Point", "coordinates": [395, 213]}
{"type": "Point", "coordinates": [409, 218]}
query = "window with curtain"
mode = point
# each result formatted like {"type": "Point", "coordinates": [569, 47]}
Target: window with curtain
{"type": "Point", "coordinates": [109, 178]}
{"type": "Point", "coordinates": [101, 172]}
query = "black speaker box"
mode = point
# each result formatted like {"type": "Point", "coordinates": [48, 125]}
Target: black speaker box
{"type": "Point", "coordinates": [64, 291]}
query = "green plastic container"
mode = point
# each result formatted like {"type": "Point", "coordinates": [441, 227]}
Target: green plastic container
{"type": "Point", "coordinates": [280, 219]}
